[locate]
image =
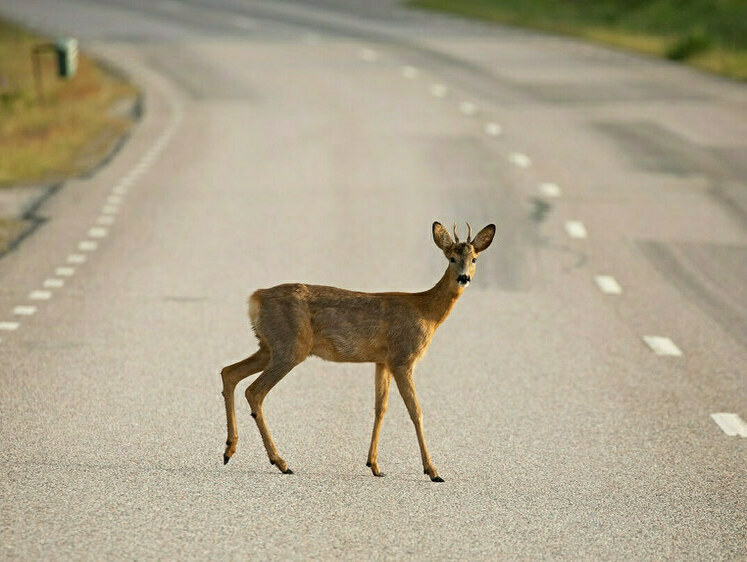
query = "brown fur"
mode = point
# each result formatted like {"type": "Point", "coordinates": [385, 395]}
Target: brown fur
{"type": "Point", "coordinates": [392, 330]}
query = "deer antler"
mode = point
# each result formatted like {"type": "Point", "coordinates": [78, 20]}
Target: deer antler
{"type": "Point", "coordinates": [456, 236]}
{"type": "Point", "coordinates": [469, 234]}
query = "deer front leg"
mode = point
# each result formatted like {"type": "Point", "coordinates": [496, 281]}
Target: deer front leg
{"type": "Point", "coordinates": [383, 378]}
{"type": "Point", "coordinates": [233, 375]}
{"type": "Point", "coordinates": [403, 378]}
{"type": "Point", "coordinates": [255, 395]}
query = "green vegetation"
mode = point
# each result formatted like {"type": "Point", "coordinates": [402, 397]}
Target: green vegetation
{"type": "Point", "coordinates": [65, 134]}
{"type": "Point", "coordinates": [709, 34]}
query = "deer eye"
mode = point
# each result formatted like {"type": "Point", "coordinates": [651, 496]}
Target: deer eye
{"type": "Point", "coordinates": [452, 260]}
{"type": "Point", "coordinates": [474, 260]}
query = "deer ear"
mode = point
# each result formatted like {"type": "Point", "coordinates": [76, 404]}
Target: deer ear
{"type": "Point", "coordinates": [483, 238]}
{"type": "Point", "coordinates": [441, 236]}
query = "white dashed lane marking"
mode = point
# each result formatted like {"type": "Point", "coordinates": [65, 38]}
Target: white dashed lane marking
{"type": "Point", "coordinates": [731, 424]}
{"type": "Point", "coordinates": [112, 203]}
{"type": "Point", "coordinates": [141, 167]}
{"type": "Point", "coordinates": [312, 38]}
{"type": "Point", "coordinates": [519, 159]}
{"type": "Point", "coordinates": [24, 310]}
{"type": "Point", "coordinates": [493, 129]}
{"type": "Point", "coordinates": [438, 90]}
{"type": "Point", "coordinates": [410, 72]}
{"type": "Point", "coordinates": [550, 190]}
{"type": "Point", "coordinates": [170, 5]}
{"type": "Point", "coordinates": [468, 108]}
{"type": "Point", "coordinates": [40, 295]}
{"type": "Point", "coordinates": [662, 345]}
{"type": "Point", "coordinates": [130, 176]}
{"type": "Point", "coordinates": [576, 229]}
{"type": "Point", "coordinates": [98, 232]}
{"type": "Point", "coordinates": [245, 23]}
{"type": "Point", "coordinates": [608, 284]}
{"type": "Point", "coordinates": [76, 258]}
{"type": "Point", "coordinates": [368, 55]}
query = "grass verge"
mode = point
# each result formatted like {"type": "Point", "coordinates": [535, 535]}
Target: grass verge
{"type": "Point", "coordinates": [77, 124]}
{"type": "Point", "coordinates": [708, 34]}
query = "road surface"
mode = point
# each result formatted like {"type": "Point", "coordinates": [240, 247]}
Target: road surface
{"type": "Point", "coordinates": [567, 400]}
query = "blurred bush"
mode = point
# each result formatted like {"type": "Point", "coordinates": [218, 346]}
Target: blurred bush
{"type": "Point", "coordinates": [689, 45]}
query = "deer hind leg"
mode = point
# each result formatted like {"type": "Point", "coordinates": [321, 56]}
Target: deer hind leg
{"type": "Point", "coordinates": [403, 378]}
{"type": "Point", "coordinates": [255, 395]}
{"type": "Point", "coordinates": [233, 375]}
{"type": "Point", "coordinates": [383, 378]}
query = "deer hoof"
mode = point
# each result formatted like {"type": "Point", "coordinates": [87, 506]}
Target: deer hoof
{"type": "Point", "coordinates": [437, 479]}
{"type": "Point", "coordinates": [368, 464]}
{"type": "Point", "coordinates": [287, 471]}
{"type": "Point", "coordinates": [226, 458]}
{"type": "Point", "coordinates": [380, 475]}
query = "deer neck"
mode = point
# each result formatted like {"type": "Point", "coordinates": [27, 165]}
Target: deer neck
{"type": "Point", "coordinates": [438, 301]}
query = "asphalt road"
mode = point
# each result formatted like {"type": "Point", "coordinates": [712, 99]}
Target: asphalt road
{"type": "Point", "coordinates": [318, 142]}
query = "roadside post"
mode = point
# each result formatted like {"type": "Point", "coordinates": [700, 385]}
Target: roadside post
{"type": "Point", "coordinates": [66, 52]}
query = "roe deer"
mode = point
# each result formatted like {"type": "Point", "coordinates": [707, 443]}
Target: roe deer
{"type": "Point", "coordinates": [393, 330]}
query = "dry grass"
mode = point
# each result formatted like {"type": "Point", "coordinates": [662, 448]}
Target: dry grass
{"type": "Point", "coordinates": [61, 137]}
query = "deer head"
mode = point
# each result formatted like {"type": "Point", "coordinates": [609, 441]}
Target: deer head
{"type": "Point", "coordinates": [462, 256]}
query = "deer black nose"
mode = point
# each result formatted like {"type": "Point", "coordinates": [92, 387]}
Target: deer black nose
{"type": "Point", "coordinates": [463, 279]}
